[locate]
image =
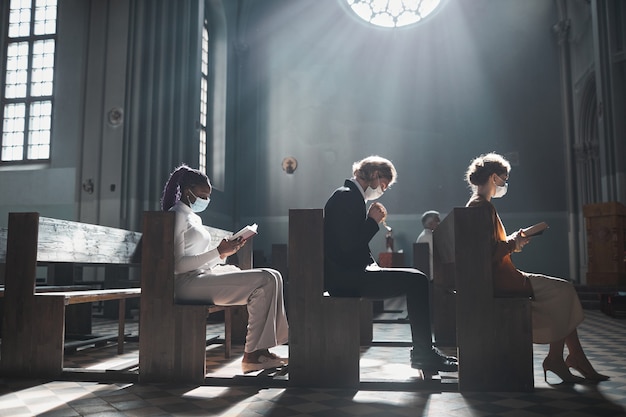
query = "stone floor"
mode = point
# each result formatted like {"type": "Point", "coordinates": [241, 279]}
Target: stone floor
{"type": "Point", "coordinates": [402, 393]}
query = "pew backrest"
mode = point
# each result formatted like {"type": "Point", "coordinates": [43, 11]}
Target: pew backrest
{"type": "Point", "coordinates": [46, 240]}
{"type": "Point", "coordinates": [493, 334]}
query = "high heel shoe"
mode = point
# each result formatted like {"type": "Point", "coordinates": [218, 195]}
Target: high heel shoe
{"type": "Point", "coordinates": [588, 373]}
{"type": "Point", "coordinates": [561, 370]}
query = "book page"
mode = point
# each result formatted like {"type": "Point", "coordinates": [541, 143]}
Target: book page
{"type": "Point", "coordinates": [535, 229]}
{"type": "Point", "coordinates": [245, 233]}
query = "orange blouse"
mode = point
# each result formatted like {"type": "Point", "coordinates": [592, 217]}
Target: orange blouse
{"type": "Point", "coordinates": [508, 280]}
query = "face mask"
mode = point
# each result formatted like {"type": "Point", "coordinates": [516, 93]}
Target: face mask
{"type": "Point", "coordinates": [373, 193]}
{"type": "Point", "coordinates": [501, 190]}
{"type": "Point", "coordinates": [199, 205]}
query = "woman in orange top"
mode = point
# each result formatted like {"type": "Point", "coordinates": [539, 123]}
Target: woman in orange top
{"type": "Point", "coordinates": [556, 309]}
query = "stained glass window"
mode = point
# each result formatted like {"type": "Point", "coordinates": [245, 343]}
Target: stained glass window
{"type": "Point", "coordinates": [393, 13]}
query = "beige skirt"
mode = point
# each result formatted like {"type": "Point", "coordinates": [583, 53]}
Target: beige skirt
{"type": "Point", "coordinates": [556, 309]}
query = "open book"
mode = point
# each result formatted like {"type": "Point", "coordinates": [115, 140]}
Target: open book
{"type": "Point", "coordinates": [245, 233]}
{"type": "Point", "coordinates": [535, 229]}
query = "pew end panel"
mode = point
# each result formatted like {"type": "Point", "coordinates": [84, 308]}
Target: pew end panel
{"type": "Point", "coordinates": [165, 326]}
{"type": "Point", "coordinates": [421, 257]}
{"type": "Point", "coordinates": [172, 337]}
{"type": "Point", "coordinates": [494, 335]}
{"type": "Point", "coordinates": [324, 331]}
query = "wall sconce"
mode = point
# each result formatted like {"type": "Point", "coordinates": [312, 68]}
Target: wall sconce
{"type": "Point", "coordinates": [290, 164]}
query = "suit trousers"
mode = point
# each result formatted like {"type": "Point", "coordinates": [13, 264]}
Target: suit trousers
{"type": "Point", "coordinates": [408, 282]}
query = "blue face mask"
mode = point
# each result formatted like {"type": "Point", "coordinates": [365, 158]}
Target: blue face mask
{"type": "Point", "coordinates": [199, 205]}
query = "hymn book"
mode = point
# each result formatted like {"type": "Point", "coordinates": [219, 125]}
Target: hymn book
{"type": "Point", "coordinates": [535, 229]}
{"type": "Point", "coordinates": [245, 233]}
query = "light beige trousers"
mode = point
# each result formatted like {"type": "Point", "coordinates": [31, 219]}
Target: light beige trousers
{"type": "Point", "coordinates": [261, 290]}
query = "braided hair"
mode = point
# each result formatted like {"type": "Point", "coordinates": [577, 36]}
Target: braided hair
{"type": "Point", "coordinates": [181, 178]}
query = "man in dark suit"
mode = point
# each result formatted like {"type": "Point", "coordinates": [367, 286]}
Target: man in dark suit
{"type": "Point", "coordinates": [350, 270]}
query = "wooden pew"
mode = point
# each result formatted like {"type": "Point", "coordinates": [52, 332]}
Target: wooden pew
{"type": "Point", "coordinates": [493, 334]}
{"type": "Point", "coordinates": [323, 331]}
{"type": "Point", "coordinates": [34, 322]}
{"type": "Point", "coordinates": [172, 337]}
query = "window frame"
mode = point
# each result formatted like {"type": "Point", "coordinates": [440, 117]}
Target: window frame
{"type": "Point", "coordinates": [28, 99]}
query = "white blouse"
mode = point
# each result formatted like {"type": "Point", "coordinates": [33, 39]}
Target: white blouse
{"type": "Point", "coordinates": [192, 242]}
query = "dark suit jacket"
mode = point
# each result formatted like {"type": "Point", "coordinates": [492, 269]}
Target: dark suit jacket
{"type": "Point", "coordinates": [347, 233]}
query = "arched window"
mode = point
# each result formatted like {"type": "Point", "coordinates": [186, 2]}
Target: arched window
{"type": "Point", "coordinates": [393, 13]}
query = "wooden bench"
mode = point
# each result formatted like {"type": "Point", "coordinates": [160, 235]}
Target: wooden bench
{"type": "Point", "coordinates": [493, 334]}
{"type": "Point", "coordinates": [172, 337]}
{"type": "Point", "coordinates": [34, 322]}
{"type": "Point", "coordinates": [324, 332]}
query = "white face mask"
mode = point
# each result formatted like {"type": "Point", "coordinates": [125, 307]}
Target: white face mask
{"type": "Point", "coordinates": [373, 193]}
{"type": "Point", "coordinates": [199, 205]}
{"type": "Point", "coordinates": [501, 190]}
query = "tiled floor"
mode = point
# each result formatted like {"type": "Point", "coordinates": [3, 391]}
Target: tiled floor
{"type": "Point", "coordinates": [604, 339]}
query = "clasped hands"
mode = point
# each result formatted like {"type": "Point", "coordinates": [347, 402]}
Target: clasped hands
{"type": "Point", "coordinates": [227, 247]}
{"type": "Point", "coordinates": [378, 212]}
{"type": "Point", "coordinates": [521, 240]}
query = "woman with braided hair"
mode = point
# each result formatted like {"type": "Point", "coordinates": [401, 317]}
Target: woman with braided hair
{"type": "Point", "coordinates": [202, 276]}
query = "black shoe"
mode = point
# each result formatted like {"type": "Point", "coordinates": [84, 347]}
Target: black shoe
{"type": "Point", "coordinates": [443, 355]}
{"type": "Point", "coordinates": [433, 360]}
{"type": "Point", "coordinates": [417, 353]}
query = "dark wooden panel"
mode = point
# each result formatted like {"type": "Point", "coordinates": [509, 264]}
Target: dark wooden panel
{"type": "Point", "coordinates": [46, 322]}
{"type": "Point", "coordinates": [280, 260]}
{"type": "Point", "coordinates": [444, 270]}
{"type": "Point", "coordinates": [494, 335]}
{"type": "Point", "coordinates": [32, 337]}
{"type": "Point", "coordinates": [172, 336]}
{"type": "Point", "coordinates": [3, 245]}
{"type": "Point", "coordinates": [324, 331]}
{"type": "Point", "coordinates": [605, 224]}
{"type": "Point", "coordinates": [421, 257]}
{"type": "Point", "coordinates": [157, 327]}
{"type": "Point", "coordinates": [366, 318]}
{"type": "Point", "coordinates": [306, 263]}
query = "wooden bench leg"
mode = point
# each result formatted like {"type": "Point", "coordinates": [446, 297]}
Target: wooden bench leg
{"type": "Point", "coordinates": [325, 352]}
{"type": "Point", "coordinates": [227, 332]}
{"type": "Point", "coordinates": [366, 320]}
{"type": "Point", "coordinates": [32, 342]}
{"type": "Point", "coordinates": [120, 326]}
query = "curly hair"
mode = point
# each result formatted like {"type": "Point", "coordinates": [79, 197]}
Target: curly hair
{"type": "Point", "coordinates": [482, 167]}
{"type": "Point", "coordinates": [367, 167]}
{"type": "Point", "coordinates": [181, 178]}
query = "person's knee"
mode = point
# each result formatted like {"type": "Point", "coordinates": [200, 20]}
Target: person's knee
{"type": "Point", "coordinates": [420, 282]}
{"type": "Point", "coordinates": [270, 280]}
